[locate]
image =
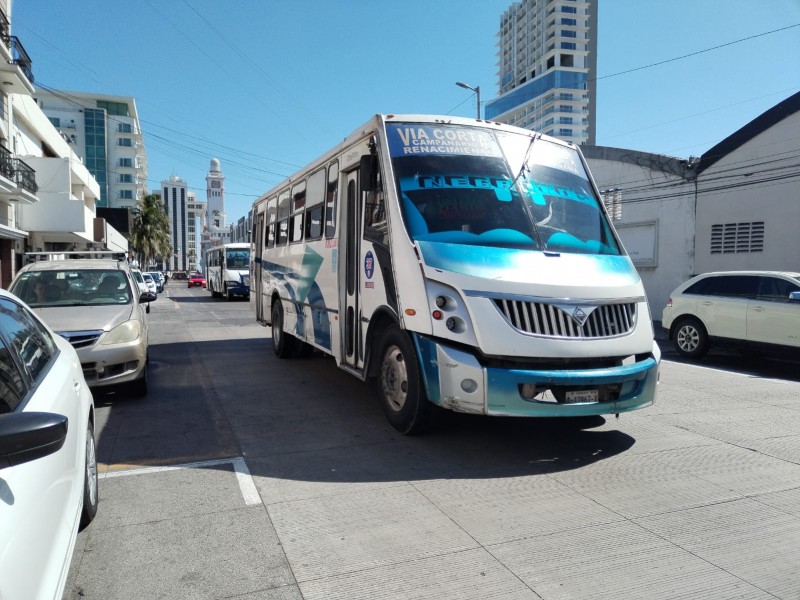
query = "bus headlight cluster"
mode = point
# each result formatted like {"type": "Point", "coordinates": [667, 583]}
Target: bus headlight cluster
{"type": "Point", "coordinates": [447, 304]}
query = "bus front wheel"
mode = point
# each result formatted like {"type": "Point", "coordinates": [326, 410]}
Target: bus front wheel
{"type": "Point", "coordinates": [400, 387]}
{"type": "Point", "coordinates": [283, 344]}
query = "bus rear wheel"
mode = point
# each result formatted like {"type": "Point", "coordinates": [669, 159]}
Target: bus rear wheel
{"type": "Point", "coordinates": [283, 344]}
{"type": "Point", "coordinates": [400, 387]}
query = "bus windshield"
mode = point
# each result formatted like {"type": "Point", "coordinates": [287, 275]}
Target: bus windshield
{"type": "Point", "coordinates": [465, 185]}
{"type": "Point", "coordinates": [237, 258]}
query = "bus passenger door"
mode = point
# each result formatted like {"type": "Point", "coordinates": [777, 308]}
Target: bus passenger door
{"type": "Point", "coordinates": [350, 317]}
{"type": "Point", "coordinates": [257, 271]}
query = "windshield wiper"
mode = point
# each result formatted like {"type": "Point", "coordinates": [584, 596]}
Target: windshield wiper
{"type": "Point", "coordinates": [524, 166]}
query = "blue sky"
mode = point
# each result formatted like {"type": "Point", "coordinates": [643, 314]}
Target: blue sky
{"type": "Point", "coordinates": [267, 86]}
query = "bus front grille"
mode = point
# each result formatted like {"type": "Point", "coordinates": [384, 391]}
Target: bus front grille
{"type": "Point", "coordinates": [569, 321]}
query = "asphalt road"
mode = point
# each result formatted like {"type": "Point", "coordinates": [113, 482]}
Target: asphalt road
{"type": "Point", "coordinates": [242, 476]}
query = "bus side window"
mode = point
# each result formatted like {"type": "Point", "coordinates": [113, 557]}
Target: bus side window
{"type": "Point", "coordinates": [272, 217]}
{"type": "Point", "coordinates": [284, 208]}
{"type": "Point", "coordinates": [283, 233]}
{"type": "Point", "coordinates": [315, 199]}
{"type": "Point", "coordinates": [330, 200]}
{"type": "Point", "coordinates": [375, 225]}
{"type": "Point", "coordinates": [298, 208]}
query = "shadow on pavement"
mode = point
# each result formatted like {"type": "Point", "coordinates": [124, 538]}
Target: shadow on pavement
{"type": "Point", "coordinates": [305, 419]}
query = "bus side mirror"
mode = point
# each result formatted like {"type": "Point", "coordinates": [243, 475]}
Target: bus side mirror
{"type": "Point", "coordinates": [369, 173]}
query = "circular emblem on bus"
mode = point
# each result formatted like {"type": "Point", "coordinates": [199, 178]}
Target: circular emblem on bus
{"type": "Point", "coordinates": [369, 264]}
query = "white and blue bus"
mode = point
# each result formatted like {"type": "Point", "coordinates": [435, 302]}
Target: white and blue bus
{"type": "Point", "coordinates": [458, 263]}
{"type": "Point", "coordinates": [228, 270]}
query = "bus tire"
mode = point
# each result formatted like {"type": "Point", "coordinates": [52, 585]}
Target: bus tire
{"type": "Point", "coordinates": [283, 344]}
{"type": "Point", "coordinates": [400, 387]}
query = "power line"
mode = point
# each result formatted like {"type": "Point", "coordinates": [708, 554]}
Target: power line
{"type": "Point", "coordinates": [669, 60]}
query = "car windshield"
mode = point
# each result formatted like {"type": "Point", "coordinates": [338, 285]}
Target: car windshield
{"type": "Point", "coordinates": [72, 287]}
{"type": "Point", "coordinates": [465, 185]}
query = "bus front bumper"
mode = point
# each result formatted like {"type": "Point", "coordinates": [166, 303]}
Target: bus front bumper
{"type": "Point", "coordinates": [455, 380]}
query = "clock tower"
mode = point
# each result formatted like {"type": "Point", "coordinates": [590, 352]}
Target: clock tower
{"type": "Point", "coordinates": [215, 193]}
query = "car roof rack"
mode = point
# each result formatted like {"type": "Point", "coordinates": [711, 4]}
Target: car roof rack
{"type": "Point", "coordinates": [76, 254]}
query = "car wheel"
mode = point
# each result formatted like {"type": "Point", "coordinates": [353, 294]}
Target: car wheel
{"type": "Point", "coordinates": [90, 491]}
{"type": "Point", "coordinates": [400, 387]}
{"type": "Point", "coordinates": [138, 388]}
{"type": "Point", "coordinates": [691, 338]}
{"type": "Point", "coordinates": [227, 292]}
{"type": "Point", "coordinates": [283, 344]}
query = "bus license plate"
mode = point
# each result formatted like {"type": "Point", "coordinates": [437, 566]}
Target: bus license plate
{"type": "Point", "coordinates": [581, 396]}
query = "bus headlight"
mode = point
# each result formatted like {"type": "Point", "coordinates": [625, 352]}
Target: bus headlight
{"type": "Point", "coordinates": [128, 331]}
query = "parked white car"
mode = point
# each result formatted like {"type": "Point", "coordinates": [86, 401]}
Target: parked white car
{"type": "Point", "coordinates": [48, 465]}
{"type": "Point", "coordinates": [150, 283]}
{"type": "Point", "coordinates": [754, 310]}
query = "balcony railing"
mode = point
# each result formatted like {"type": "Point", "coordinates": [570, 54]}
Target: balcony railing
{"type": "Point", "coordinates": [25, 177]}
{"type": "Point", "coordinates": [17, 171]}
{"type": "Point", "coordinates": [19, 57]}
{"type": "Point", "coordinates": [5, 27]}
{"type": "Point", "coordinates": [6, 163]}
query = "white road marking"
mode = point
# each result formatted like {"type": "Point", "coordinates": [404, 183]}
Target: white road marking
{"type": "Point", "coordinates": [243, 477]}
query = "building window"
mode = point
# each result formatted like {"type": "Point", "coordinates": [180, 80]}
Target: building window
{"type": "Point", "coordinates": [126, 178]}
{"type": "Point", "coordinates": [612, 200]}
{"type": "Point", "coordinates": [124, 128]}
{"type": "Point", "coordinates": [126, 142]}
{"type": "Point", "coordinates": [567, 60]}
{"type": "Point", "coordinates": [55, 121]}
{"type": "Point", "coordinates": [126, 194]}
{"type": "Point", "coordinates": [126, 162]}
{"type": "Point", "coordinates": [734, 238]}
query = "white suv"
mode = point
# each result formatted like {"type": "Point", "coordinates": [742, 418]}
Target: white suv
{"type": "Point", "coordinates": [755, 309]}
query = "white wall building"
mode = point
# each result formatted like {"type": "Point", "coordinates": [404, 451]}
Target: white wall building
{"type": "Point", "coordinates": [18, 185]}
{"type": "Point", "coordinates": [47, 195]}
{"type": "Point", "coordinates": [104, 131]}
{"type": "Point", "coordinates": [736, 207]}
{"type": "Point", "coordinates": [547, 65]}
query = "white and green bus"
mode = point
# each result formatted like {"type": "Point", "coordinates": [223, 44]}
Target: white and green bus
{"type": "Point", "coordinates": [228, 270]}
{"type": "Point", "coordinates": [459, 263]}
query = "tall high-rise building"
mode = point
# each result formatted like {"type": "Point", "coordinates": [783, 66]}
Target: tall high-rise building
{"type": "Point", "coordinates": [175, 197]}
{"type": "Point", "coordinates": [547, 68]}
{"type": "Point", "coordinates": [103, 130]}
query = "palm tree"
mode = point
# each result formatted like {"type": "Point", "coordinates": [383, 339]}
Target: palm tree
{"type": "Point", "coordinates": [150, 237]}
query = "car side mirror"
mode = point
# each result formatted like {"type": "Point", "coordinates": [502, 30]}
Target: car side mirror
{"type": "Point", "coordinates": [26, 436]}
{"type": "Point", "coordinates": [148, 297]}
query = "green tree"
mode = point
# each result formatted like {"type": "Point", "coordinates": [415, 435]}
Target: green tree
{"type": "Point", "coordinates": [150, 232]}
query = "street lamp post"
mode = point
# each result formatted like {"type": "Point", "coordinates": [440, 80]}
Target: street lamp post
{"type": "Point", "coordinates": [476, 89]}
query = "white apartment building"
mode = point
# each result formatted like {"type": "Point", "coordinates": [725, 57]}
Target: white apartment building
{"type": "Point", "coordinates": [547, 67]}
{"type": "Point", "coordinates": [47, 195]}
{"type": "Point", "coordinates": [104, 131]}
